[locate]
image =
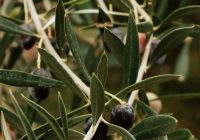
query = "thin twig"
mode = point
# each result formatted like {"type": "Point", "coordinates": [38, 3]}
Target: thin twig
{"type": "Point", "coordinates": [50, 49]}
{"type": "Point", "coordinates": [142, 69]}
{"type": "Point", "coordinates": [39, 57]}
{"type": "Point", "coordinates": [141, 10]}
{"type": "Point", "coordinates": [25, 11]}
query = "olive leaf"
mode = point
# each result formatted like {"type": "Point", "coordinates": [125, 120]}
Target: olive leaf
{"type": "Point", "coordinates": [172, 39]}
{"type": "Point", "coordinates": [48, 117]}
{"type": "Point", "coordinates": [74, 47]}
{"type": "Point", "coordinates": [59, 71]}
{"type": "Point", "coordinates": [115, 44]}
{"type": "Point", "coordinates": [97, 98]}
{"type": "Point", "coordinates": [23, 79]}
{"type": "Point", "coordinates": [60, 26]}
{"type": "Point", "coordinates": [180, 13]}
{"type": "Point", "coordinates": [11, 27]}
{"type": "Point", "coordinates": [148, 81]}
{"type": "Point", "coordinates": [121, 131]}
{"type": "Point", "coordinates": [154, 126]}
{"type": "Point", "coordinates": [102, 69]}
{"type": "Point", "coordinates": [181, 134]}
{"type": "Point", "coordinates": [71, 122]}
{"type": "Point", "coordinates": [13, 120]}
{"type": "Point", "coordinates": [4, 128]}
{"type": "Point", "coordinates": [131, 55]}
{"type": "Point", "coordinates": [63, 115]}
{"type": "Point", "coordinates": [23, 119]}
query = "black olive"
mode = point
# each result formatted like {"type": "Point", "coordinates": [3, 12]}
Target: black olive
{"type": "Point", "coordinates": [101, 131]}
{"type": "Point", "coordinates": [28, 42]}
{"type": "Point", "coordinates": [122, 115]}
{"type": "Point", "coordinates": [53, 43]}
{"type": "Point", "coordinates": [40, 93]}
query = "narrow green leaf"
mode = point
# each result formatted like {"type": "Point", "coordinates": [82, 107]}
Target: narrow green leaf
{"type": "Point", "coordinates": [181, 134]}
{"type": "Point", "coordinates": [23, 119]}
{"type": "Point", "coordinates": [115, 44]}
{"type": "Point", "coordinates": [97, 98]}
{"type": "Point", "coordinates": [179, 96]}
{"type": "Point", "coordinates": [13, 120]}
{"type": "Point", "coordinates": [60, 26]}
{"type": "Point", "coordinates": [60, 72]}
{"type": "Point", "coordinates": [182, 64]}
{"type": "Point", "coordinates": [154, 126]}
{"type": "Point", "coordinates": [172, 39]}
{"type": "Point", "coordinates": [4, 128]}
{"type": "Point", "coordinates": [145, 27]}
{"type": "Point", "coordinates": [74, 46]}
{"type": "Point", "coordinates": [102, 69]}
{"type": "Point", "coordinates": [73, 134]}
{"type": "Point", "coordinates": [180, 13]}
{"type": "Point", "coordinates": [160, 138]}
{"type": "Point", "coordinates": [103, 17]}
{"type": "Point", "coordinates": [71, 122]}
{"type": "Point", "coordinates": [120, 5]}
{"type": "Point", "coordinates": [23, 79]}
{"type": "Point", "coordinates": [5, 42]}
{"type": "Point", "coordinates": [48, 117]}
{"type": "Point", "coordinates": [122, 132]}
{"type": "Point", "coordinates": [63, 115]}
{"type": "Point", "coordinates": [147, 82]}
{"type": "Point", "coordinates": [76, 120]}
{"type": "Point", "coordinates": [131, 55]}
{"type": "Point", "coordinates": [10, 27]}
{"type": "Point", "coordinates": [146, 110]}
{"type": "Point", "coordinates": [143, 97]}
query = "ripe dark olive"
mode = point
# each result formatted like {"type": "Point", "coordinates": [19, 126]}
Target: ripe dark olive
{"type": "Point", "coordinates": [40, 93]}
{"type": "Point", "coordinates": [122, 115]}
{"type": "Point", "coordinates": [101, 131]}
{"type": "Point", "coordinates": [53, 43]}
{"type": "Point", "coordinates": [28, 42]}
